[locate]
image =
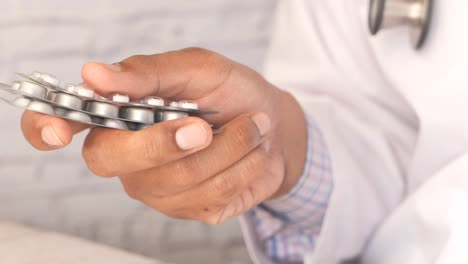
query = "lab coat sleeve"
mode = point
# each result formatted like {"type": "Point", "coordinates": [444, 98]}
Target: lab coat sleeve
{"type": "Point", "coordinates": [368, 128]}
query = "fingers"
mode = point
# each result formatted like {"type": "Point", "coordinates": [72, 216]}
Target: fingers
{"type": "Point", "coordinates": [209, 201]}
{"type": "Point", "coordinates": [48, 132]}
{"type": "Point", "coordinates": [184, 74]}
{"type": "Point", "coordinates": [112, 152]}
{"type": "Point", "coordinates": [239, 138]}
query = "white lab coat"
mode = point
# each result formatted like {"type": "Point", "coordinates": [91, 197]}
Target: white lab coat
{"type": "Point", "coordinates": [396, 124]}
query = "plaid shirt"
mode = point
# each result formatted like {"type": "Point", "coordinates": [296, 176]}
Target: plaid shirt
{"type": "Point", "coordinates": [289, 226]}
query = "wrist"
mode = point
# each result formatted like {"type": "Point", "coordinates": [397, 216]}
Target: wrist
{"type": "Point", "coordinates": [292, 136]}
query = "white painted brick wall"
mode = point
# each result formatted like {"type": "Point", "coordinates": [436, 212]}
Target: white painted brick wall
{"type": "Point", "coordinates": [55, 190]}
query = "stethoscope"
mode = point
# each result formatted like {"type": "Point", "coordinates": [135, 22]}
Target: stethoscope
{"type": "Point", "coordinates": [415, 14]}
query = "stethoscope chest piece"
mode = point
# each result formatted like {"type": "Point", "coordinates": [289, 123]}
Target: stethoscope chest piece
{"type": "Point", "coordinates": [415, 14]}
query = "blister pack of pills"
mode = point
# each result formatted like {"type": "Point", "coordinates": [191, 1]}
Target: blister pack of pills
{"type": "Point", "coordinates": [42, 92]}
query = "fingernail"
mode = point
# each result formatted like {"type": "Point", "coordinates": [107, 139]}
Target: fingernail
{"type": "Point", "coordinates": [50, 137]}
{"type": "Point", "coordinates": [191, 136]}
{"type": "Point", "coordinates": [116, 67]}
{"type": "Point", "coordinates": [263, 123]}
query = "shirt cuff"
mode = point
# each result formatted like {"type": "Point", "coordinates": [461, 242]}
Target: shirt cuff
{"type": "Point", "coordinates": [308, 199]}
{"type": "Point", "coordinates": [294, 220]}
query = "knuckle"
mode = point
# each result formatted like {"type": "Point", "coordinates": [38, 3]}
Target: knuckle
{"type": "Point", "coordinates": [255, 162]}
{"type": "Point", "coordinates": [198, 51]}
{"type": "Point", "coordinates": [223, 188]}
{"type": "Point", "coordinates": [93, 161]}
{"type": "Point", "coordinates": [214, 217]}
{"type": "Point", "coordinates": [209, 59]}
{"type": "Point", "coordinates": [131, 193]}
{"type": "Point", "coordinates": [247, 200]}
{"type": "Point", "coordinates": [178, 213]}
{"type": "Point", "coordinates": [229, 184]}
{"type": "Point", "coordinates": [99, 170]}
{"type": "Point", "coordinates": [135, 59]}
{"type": "Point", "coordinates": [182, 175]}
{"type": "Point", "coordinates": [211, 220]}
{"type": "Point", "coordinates": [209, 214]}
{"type": "Point", "coordinates": [244, 138]}
{"type": "Point", "coordinates": [131, 189]}
{"type": "Point", "coordinates": [225, 71]}
{"type": "Point", "coordinates": [153, 150]}
{"type": "Point", "coordinates": [93, 153]}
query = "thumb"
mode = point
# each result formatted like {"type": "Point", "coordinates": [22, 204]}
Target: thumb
{"type": "Point", "coordinates": [185, 74]}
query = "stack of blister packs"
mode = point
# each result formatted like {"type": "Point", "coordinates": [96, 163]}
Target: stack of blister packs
{"type": "Point", "coordinates": [41, 92]}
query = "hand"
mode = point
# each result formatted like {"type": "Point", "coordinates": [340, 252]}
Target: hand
{"type": "Point", "coordinates": [178, 167]}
